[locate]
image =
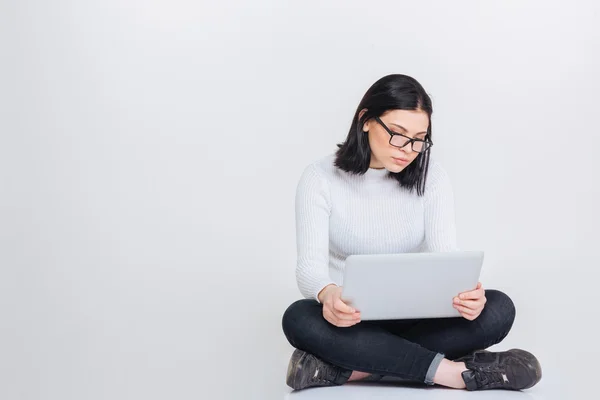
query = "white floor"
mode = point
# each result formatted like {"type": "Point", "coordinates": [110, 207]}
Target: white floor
{"type": "Point", "coordinates": [554, 385]}
{"type": "Point", "coordinates": [359, 392]}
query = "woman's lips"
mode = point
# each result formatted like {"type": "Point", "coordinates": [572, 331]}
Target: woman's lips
{"type": "Point", "coordinates": [400, 161]}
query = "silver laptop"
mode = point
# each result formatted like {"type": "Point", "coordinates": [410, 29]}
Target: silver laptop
{"type": "Point", "coordinates": [409, 285]}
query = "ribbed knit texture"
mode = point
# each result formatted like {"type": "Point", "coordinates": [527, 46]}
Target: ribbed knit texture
{"type": "Point", "coordinates": [339, 214]}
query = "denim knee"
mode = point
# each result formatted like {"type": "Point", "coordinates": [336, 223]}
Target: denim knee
{"type": "Point", "coordinates": [295, 316]}
{"type": "Point", "coordinates": [499, 315]}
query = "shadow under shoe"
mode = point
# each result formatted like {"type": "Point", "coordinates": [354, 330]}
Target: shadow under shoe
{"type": "Point", "coordinates": [306, 370]}
{"type": "Point", "coordinates": [514, 369]}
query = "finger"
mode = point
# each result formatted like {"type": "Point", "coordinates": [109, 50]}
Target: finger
{"type": "Point", "coordinates": [477, 287]}
{"type": "Point", "coordinates": [471, 304]}
{"type": "Point", "coordinates": [331, 318]}
{"type": "Point", "coordinates": [346, 317]}
{"type": "Point", "coordinates": [339, 305]}
{"type": "Point", "coordinates": [471, 295]}
{"type": "Point", "coordinates": [328, 314]}
{"type": "Point", "coordinates": [465, 310]}
{"type": "Point", "coordinates": [338, 315]}
{"type": "Point", "coordinates": [334, 320]}
{"type": "Point", "coordinates": [470, 317]}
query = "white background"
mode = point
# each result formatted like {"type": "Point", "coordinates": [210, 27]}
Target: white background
{"type": "Point", "coordinates": [150, 152]}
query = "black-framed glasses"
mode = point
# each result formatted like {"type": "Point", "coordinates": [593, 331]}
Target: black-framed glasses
{"type": "Point", "coordinates": [399, 140]}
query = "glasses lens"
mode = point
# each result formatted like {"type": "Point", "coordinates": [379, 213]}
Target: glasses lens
{"type": "Point", "coordinates": [419, 146]}
{"type": "Point", "coordinates": [398, 141]}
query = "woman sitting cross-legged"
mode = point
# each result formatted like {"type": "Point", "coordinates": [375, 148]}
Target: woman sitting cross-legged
{"type": "Point", "coordinates": [382, 193]}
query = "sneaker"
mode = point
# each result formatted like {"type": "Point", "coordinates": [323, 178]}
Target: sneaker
{"type": "Point", "coordinates": [470, 355]}
{"type": "Point", "coordinates": [306, 370]}
{"type": "Point", "coordinates": [514, 369]}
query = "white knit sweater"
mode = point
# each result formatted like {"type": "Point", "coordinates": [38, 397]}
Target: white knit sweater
{"type": "Point", "coordinates": [339, 214]}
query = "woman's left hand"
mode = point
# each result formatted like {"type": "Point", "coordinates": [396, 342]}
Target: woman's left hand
{"type": "Point", "coordinates": [470, 304]}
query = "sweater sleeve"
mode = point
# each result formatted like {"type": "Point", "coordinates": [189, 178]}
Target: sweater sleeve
{"type": "Point", "coordinates": [312, 233]}
{"type": "Point", "coordinates": [440, 224]}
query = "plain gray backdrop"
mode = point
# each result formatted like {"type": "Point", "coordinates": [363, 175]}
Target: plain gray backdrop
{"type": "Point", "coordinates": [150, 152]}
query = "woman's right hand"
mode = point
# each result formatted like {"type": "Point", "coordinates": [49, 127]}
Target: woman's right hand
{"type": "Point", "coordinates": [335, 311]}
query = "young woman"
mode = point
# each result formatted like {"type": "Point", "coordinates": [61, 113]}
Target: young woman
{"type": "Point", "coordinates": [381, 193]}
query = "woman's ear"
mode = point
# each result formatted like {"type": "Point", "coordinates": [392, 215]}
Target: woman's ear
{"type": "Point", "coordinates": [365, 126]}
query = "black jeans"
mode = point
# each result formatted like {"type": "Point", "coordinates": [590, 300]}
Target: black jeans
{"type": "Point", "coordinates": [399, 348]}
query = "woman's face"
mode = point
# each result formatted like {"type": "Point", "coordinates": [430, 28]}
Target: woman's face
{"type": "Point", "coordinates": [411, 123]}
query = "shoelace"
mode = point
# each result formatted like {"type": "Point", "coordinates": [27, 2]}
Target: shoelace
{"type": "Point", "coordinates": [325, 373]}
{"type": "Point", "coordinates": [487, 378]}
